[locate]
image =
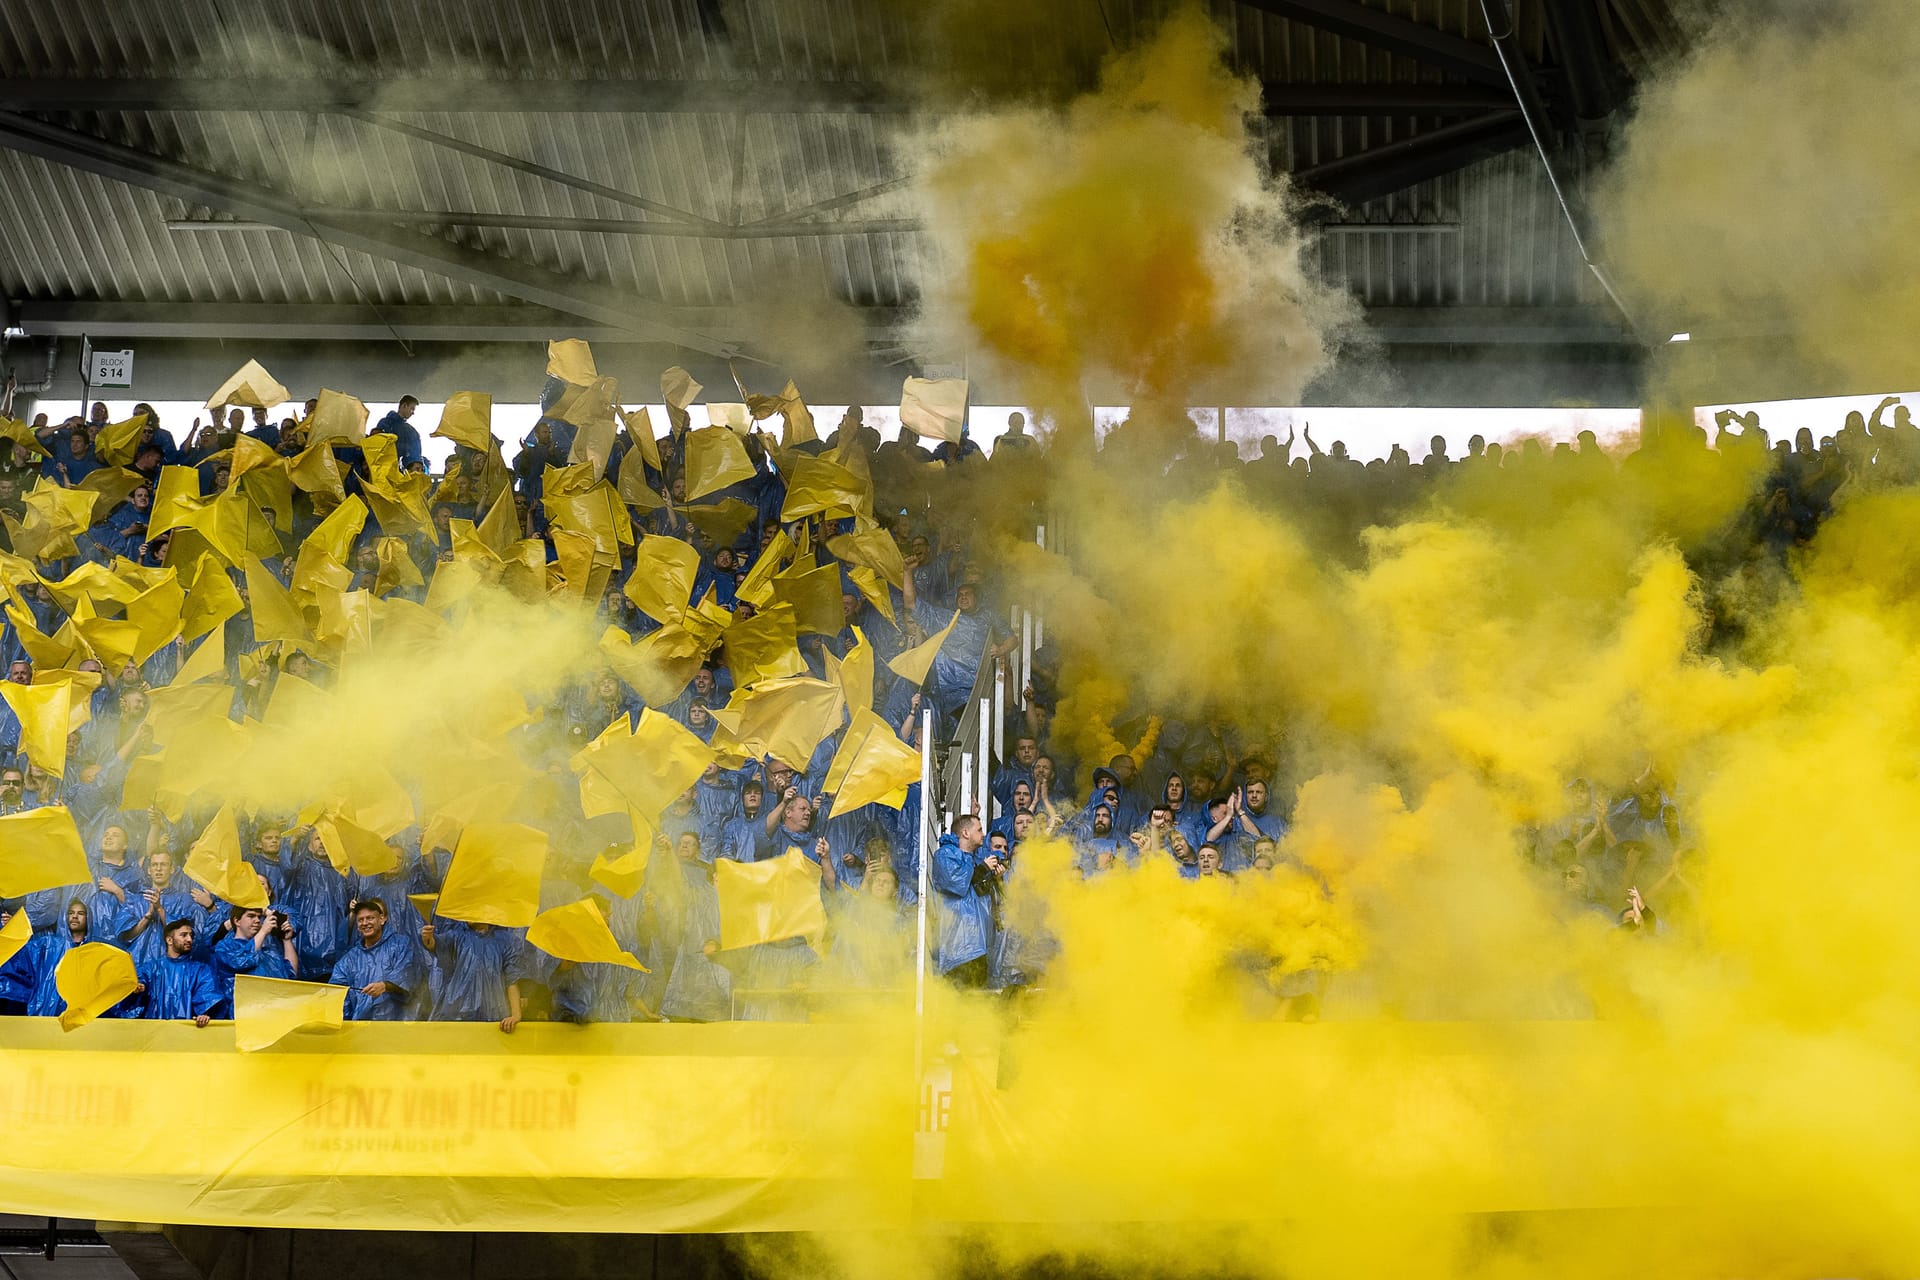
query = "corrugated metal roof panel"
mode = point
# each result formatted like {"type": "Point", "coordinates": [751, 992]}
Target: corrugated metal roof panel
{"type": "Point", "coordinates": [77, 235]}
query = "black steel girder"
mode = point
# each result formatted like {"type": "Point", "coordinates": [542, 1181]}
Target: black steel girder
{"type": "Point", "coordinates": [360, 233]}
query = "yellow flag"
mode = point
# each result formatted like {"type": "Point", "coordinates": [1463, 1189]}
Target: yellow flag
{"type": "Point", "coordinates": [351, 847]}
{"type": "Point", "coordinates": [211, 600]}
{"type": "Point", "coordinates": [935, 407]}
{"type": "Point", "coordinates": [722, 522]}
{"type": "Point", "coordinates": [113, 485]}
{"type": "Point", "coordinates": [44, 711]}
{"type": "Point", "coordinates": [267, 1010]}
{"type": "Point", "coordinates": [659, 666]}
{"type": "Point", "coordinates": [334, 537]}
{"type": "Point", "coordinates": [855, 677]}
{"type": "Point", "coordinates": [821, 486]}
{"type": "Point", "coordinates": [757, 587]}
{"type": "Point", "coordinates": [786, 719]}
{"type": "Point", "coordinates": [188, 710]}
{"type": "Point", "coordinates": [571, 360]}
{"type": "Point", "coordinates": [156, 614]}
{"type": "Point", "coordinates": [467, 419]}
{"type": "Point", "coordinates": [732, 415]}
{"type": "Point", "coordinates": [715, 458]}
{"type": "Point", "coordinates": [814, 594]}
{"type": "Point", "coordinates": [207, 662]}
{"type": "Point", "coordinates": [640, 428]}
{"type": "Point", "coordinates": [597, 513]}
{"type": "Point", "coordinates": [678, 388]}
{"type": "Point", "coordinates": [61, 649]}
{"type": "Point", "coordinates": [252, 386]}
{"type": "Point", "coordinates": [796, 418]}
{"type": "Point", "coordinates": [17, 932]}
{"type": "Point", "coordinates": [495, 875]}
{"type": "Point", "coordinates": [92, 978]}
{"type": "Point", "coordinates": [336, 416]}
{"type": "Point", "coordinates": [247, 455]}
{"type": "Point", "coordinates": [769, 901]}
{"type": "Point", "coordinates": [650, 767]}
{"type": "Point", "coordinates": [632, 481]}
{"type": "Point", "coordinates": [114, 445]}
{"type": "Point", "coordinates": [114, 641]}
{"type": "Point", "coordinates": [872, 549]}
{"type": "Point", "coordinates": [315, 470]}
{"type": "Point", "coordinates": [578, 932]}
{"type": "Point", "coordinates": [913, 665]}
{"type": "Point", "coordinates": [275, 615]}
{"type": "Point", "coordinates": [398, 568]}
{"type": "Point", "coordinates": [591, 411]}
{"type": "Point", "coordinates": [18, 432]}
{"type": "Point", "coordinates": [623, 873]}
{"type": "Point", "coordinates": [872, 766]}
{"type": "Point", "coordinates": [763, 647]}
{"type": "Point", "coordinates": [215, 864]}
{"type": "Point", "coordinates": [40, 849]}
{"type": "Point", "coordinates": [663, 572]}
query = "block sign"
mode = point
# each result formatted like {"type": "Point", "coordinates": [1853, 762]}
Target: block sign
{"type": "Point", "coordinates": [112, 369]}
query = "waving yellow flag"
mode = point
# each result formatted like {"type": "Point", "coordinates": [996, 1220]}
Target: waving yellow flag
{"type": "Point", "coordinates": [44, 712]}
{"type": "Point", "coordinates": [275, 615]}
{"type": "Point", "coordinates": [115, 443]}
{"type": "Point", "coordinates": [92, 978]}
{"type": "Point", "coordinates": [214, 863]}
{"type": "Point", "coordinates": [770, 900]}
{"type": "Point", "coordinates": [571, 360]}
{"type": "Point", "coordinates": [267, 1010]}
{"type": "Point", "coordinates": [785, 719]}
{"type": "Point", "coordinates": [648, 768]}
{"type": "Point", "coordinates": [336, 416]}
{"type": "Point", "coordinates": [495, 875]}
{"type": "Point", "coordinates": [467, 418]}
{"type": "Point", "coordinates": [40, 849]}
{"type": "Point", "coordinates": [913, 665]}
{"type": "Point", "coordinates": [17, 933]}
{"type": "Point", "coordinates": [663, 572]}
{"type": "Point", "coordinates": [873, 766]}
{"type": "Point", "coordinates": [715, 458]}
{"type": "Point", "coordinates": [578, 932]}
{"type": "Point", "coordinates": [351, 847]}
{"type": "Point", "coordinates": [855, 676]}
{"type": "Point", "coordinates": [211, 600]}
{"type": "Point", "coordinates": [821, 486]}
{"type": "Point", "coordinates": [814, 593]}
{"type": "Point", "coordinates": [763, 647]}
{"type": "Point", "coordinates": [252, 385]}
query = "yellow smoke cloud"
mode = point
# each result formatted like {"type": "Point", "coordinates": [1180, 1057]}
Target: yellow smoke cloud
{"type": "Point", "coordinates": [1764, 190]}
{"type": "Point", "coordinates": [1130, 236]}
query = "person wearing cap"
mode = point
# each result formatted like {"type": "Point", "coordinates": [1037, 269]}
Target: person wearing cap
{"type": "Point", "coordinates": [175, 987]}
{"type": "Point", "coordinates": [381, 971]}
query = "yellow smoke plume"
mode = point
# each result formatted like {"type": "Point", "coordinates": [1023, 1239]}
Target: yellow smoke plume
{"type": "Point", "coordinates": [1130, 237]}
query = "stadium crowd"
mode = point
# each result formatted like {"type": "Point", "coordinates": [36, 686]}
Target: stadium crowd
{"type": "Point", "coordinates": [1204, 796]}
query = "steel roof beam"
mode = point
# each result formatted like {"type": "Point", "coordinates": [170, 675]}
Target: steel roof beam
{"type": "Point", "coordinates": [1395, 166]}
{"type": "Point", "coordinates": [1395, 34]}
{"type": "Point", "coordinates": [378, 239]}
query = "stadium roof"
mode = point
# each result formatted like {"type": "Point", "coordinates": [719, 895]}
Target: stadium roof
{"type": "Point", "coordinates": [482, 169]}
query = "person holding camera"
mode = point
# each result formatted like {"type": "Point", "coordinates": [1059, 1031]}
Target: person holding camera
{"type": "Point", "coordinates": [261, 944]}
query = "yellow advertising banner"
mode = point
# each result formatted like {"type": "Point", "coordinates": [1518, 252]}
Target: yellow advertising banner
{"type": "Point", "coordinates": [425, 1126]}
